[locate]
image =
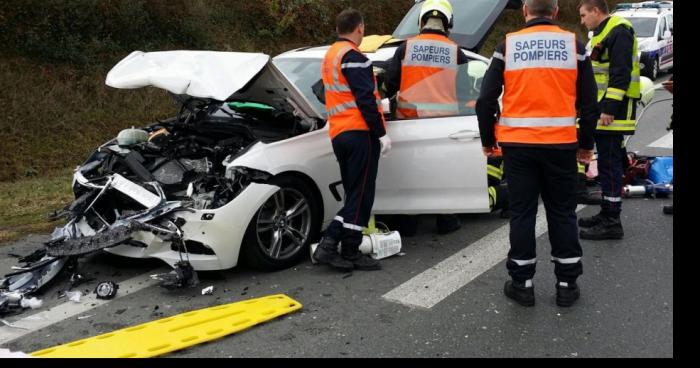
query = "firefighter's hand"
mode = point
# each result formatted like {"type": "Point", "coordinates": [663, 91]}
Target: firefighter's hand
{"type": "Point", "coordinates": [490, 151]}
{"type": "Point", "coordinates": [668, 85]}
{"type": "Point", "coordinates": [584, 156]}
{"type": "Point", "coordinates": [386, 144]}
{"type": "Point", "coordinates": [606, 119]}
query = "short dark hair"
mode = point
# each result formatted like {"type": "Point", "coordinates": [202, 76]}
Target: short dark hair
{"type": "Point", "coordinates": [348, 20]}
{"type": "Point", "coordinates": [600, 4]}
{"type": "Point", "coordinates": [541, 8]}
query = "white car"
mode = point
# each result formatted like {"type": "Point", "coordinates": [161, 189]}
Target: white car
{"type": "Point", "coordinates": [653, 27]}
{"type": "Point", "coordinates": [246, 168]}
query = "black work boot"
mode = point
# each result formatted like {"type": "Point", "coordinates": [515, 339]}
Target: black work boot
{"type": "Point", "coordinates": [589, 197]}
{"type": "Point", "coordinates": [327, 253]}
{"type": "Point", "coordinates": [590, 221]}
{"type": "Point", "coordinates": [446, 224]}
{"type": "Point", "coordinates": [517, 291]}
{"type": "Point", "coordinates": [668, 209]}
{"type": "Point", "coordinates": [609, 227]}
{"type": "Point", "coordinates": [567, 293]}
{"type": "Point", "coordinates": [358, 260]}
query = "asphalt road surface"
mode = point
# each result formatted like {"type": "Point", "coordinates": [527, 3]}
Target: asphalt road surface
{"type": "Point", "coordinates": [443, 298]}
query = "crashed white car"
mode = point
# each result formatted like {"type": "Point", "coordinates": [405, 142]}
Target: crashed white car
{"type": "Point", "coordinates": [246, 169]}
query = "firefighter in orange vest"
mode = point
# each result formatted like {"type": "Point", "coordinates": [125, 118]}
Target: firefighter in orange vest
{"type": "Point", "coordinates": [545, 75]}
{"type": "Point", "coordinates": [432, 60]}
{"type": "Point", "coordinates": [358, 135]}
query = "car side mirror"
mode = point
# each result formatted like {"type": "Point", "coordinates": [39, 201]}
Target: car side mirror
{"type": "Point", "coordinates": [667, 35]}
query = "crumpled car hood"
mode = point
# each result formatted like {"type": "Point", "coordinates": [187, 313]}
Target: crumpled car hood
{"type": "Point", "coordinates": [204, 74]}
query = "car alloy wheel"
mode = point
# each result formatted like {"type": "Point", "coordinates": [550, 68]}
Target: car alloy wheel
{"type": "Point", "coordinates": [283, 224]}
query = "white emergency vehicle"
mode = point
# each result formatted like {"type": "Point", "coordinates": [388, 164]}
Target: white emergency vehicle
{"type": "Point", "coordinates": [653, 26]}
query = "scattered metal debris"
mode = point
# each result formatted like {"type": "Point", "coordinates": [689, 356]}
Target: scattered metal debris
{"type": "Point", "coordinates": [106, 290]}
{"type": "Point", "coordinates": [85, 317]}
{"type": "Point", "coordinates": [32, 303]}
{"type": "Point", "coordinates": [182, 275]}
{"type": "Point", "coordinates": [38, 270]}
{"type": "Point", "coordinates": [73, 296]}
{"type": "Point", "coordinates": [209, 290]}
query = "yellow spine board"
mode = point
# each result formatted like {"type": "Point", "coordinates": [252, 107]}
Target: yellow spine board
{"type": "Point", "coordinates": [177, 332]}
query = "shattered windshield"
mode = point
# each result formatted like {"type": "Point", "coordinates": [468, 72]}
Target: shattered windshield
{"type": "Point", "coordinates": [643, 27]}
{"type": "Point", "coordinates": [447, 93]}
{"type": "Point", "coordinates": [303, 73]}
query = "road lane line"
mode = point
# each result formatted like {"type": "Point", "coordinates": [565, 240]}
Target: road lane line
{"type": "Point", "coordinates": [437, 283]}
{"type": "Point", "coordinates": [69, 309]}
{"type": "Point", "coordinates": [664, 142]}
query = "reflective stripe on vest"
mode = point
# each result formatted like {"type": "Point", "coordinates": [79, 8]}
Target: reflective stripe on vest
{"type": "Point", "coordinates": [539, 96]}
{"type": "Point", "coordinates": [341, 108]}
{"type": "Point", "coordinates": [428, 78]}
{"type": "Point", "coordinates": [601, 71]}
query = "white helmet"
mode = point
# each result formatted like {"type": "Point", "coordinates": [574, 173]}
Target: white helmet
{"type": "Point", "coordinates": [646, 87]}
{"type": "Point", "coordinates": [437, 8]}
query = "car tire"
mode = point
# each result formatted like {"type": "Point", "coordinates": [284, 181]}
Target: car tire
{"type": "Point", "coordinates": [654, 71]}
{"type": "Point", "coordinates": [651, 68]}
{"type": "Point", "coordinates": [281, 230]}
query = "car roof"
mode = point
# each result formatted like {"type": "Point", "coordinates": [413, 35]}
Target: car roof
{"type": "Point", "coordinates": [644, 12]}
{"type": "Point", "coordinates": [382, 54]}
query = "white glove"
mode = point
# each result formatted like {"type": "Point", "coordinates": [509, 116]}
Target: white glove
{"type": "Point", "coordinates": [386, 144]}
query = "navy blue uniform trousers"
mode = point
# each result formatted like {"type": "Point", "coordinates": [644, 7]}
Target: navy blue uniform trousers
{"type": "Point", "coordinates": [551, 173]}
{"type": "Point", "coordinates": [358, 157]}
{"type": "Point", "coordinates": [610, 171]}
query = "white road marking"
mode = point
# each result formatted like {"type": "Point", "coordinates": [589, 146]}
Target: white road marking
{"type": "Point", "coordinates": [663, 142]}
{"type": "Point", "coordinates": [69, 309]}
{"type": "Point", "coordinates": [435, 284]}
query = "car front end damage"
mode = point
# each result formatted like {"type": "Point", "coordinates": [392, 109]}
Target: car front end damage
{"type": "Point", "coordinates": [169, 190]}
{"type": "Point", "coordinates": [168, 194]}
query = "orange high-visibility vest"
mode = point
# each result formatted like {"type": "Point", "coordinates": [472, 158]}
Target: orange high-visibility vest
{"type": "Point", "coordinates": [539, 97]}
{"type": "Point", "coordinates": [423, 92]}
{"type": "Point", "coordinates": [341, 108]}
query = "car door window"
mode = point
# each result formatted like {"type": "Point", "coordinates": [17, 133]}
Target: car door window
{"type": "Point", "coordinates": [662, 27]}
{"type": "Point", "coordinates": [669, 22]}
{"type": "Point", "coordinates": [303, 72]}
{"type": "Point", "coordinates": [446, 93]}
{"type": "Point", "coordinates": [643, 27]}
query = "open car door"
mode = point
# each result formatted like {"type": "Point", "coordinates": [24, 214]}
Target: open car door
{"type": "Point", "coordinates": [436, 164]}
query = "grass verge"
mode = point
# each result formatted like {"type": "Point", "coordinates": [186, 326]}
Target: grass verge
{"type": "Point", "coordinates": [24, 204]}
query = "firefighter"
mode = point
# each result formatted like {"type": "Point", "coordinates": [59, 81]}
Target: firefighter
{"type": "Point", "coordinates": [358, 134]}
{"type": "Point", "coordinates": [430, 59]}
{"type": "Point", "coordinates": [616, 68]}
{"type": "Point", "coordinates": [544, 74]}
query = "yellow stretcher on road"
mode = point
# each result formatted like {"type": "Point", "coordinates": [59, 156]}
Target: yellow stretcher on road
{"type": "Point", "coordinates": [177, 332]}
